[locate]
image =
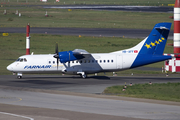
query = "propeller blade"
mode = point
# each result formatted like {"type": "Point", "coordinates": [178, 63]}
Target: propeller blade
{"type": "Point", "coordinates": [57, 63]}
{"type": "Point", "coordinates": [56, 55]}
{"type": "Point", "coordinates": [56, 50]}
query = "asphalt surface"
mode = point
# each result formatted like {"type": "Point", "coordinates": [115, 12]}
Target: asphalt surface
{"type": "Point", "coordinates": [71, 97]}
{"type": "Point", "coordinates": [52, 114]}
{"type": "Point", "coordinates": [92, 105]}
{"type": "Point", "coordinates": [107, 32]}
{"type": "Point", "coordinates": [92, 85]}
{"type": "Point", "coordinates": [114, 8]}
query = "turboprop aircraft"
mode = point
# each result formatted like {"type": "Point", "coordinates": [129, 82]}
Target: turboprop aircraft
{"type": "Point", "coordinates": [80, 62]}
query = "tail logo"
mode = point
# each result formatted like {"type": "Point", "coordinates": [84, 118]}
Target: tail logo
{"type": "Point", "coordinates": [155, 43]}
{"type": "Point", "coordinates": [160, 40]}
{"type": "Point", "coordinates": [148, 46]}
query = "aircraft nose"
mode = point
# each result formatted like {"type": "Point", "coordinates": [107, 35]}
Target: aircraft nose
{"type": "Point", "coordinates": [9, 67]}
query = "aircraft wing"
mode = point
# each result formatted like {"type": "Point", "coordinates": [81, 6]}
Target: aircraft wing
{"type": "Point", "coordinates": [80, 53]}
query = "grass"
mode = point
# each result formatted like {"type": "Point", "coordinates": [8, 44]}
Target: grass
{"type": "Point", "coordinates": [13, 46]}
{"type": "Point", "coordinates": [91, 2]}
{"type": "Point", "coordinates": [81, 18]}
{"type": "Point", "coordinates": [160, 91]}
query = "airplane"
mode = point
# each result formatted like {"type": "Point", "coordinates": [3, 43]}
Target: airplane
{"type": "Point", "coordinates": [80, 62]}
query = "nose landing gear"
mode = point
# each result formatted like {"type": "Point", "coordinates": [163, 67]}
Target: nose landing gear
{"type": "Point", "coordinates": [19, 75]}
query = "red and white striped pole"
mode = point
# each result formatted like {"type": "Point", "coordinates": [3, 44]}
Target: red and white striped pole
{"type": "Point", "coordinates": [177, 27]}
{"type": "Point", "coordinates": [27, 39]}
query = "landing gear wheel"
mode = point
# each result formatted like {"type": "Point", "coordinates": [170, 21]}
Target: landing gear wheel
{"type": "Point", "coordinates": [84, 76]}
{"type": "Point", "coordinates": [19, 77]}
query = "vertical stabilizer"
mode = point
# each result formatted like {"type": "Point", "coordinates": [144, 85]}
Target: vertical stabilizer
{"type": "Point", "coordinates": [156, 41]}
{"type": "Point", "coordinates": [153, 47]}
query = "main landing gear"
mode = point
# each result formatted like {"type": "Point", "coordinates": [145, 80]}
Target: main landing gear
{"type": "Point", "coordinates": [82, 74]}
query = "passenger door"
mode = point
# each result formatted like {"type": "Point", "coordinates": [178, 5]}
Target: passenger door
{"type": "Point", "coordinates": [119, 62]}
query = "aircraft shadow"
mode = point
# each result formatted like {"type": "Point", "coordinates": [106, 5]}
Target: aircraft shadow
{"type": "Point", "coordinates": [65, 77]}
{"type": "Point", "coordinates": [41, 82]}
{"type": "Point", "coordinates": [99, 77]}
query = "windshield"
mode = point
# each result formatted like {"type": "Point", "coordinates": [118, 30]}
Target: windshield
{"type": "Point", "coordinates": [21, 60]}
{"type": "Point", "coordinates": [18, 59]}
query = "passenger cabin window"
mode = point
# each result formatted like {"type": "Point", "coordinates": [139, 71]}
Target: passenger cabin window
{"type": "Point", "coordinates": [49, 62]}
{"type": "Point", "coordinates": [107, 60]}
{"type": "Point", "coordinates": [111, 60]}
{"type": "Point", "coordinates": [104, 61]}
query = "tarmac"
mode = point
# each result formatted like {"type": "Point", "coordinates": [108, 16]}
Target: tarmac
{"type": "Point", "coordinates": [73, 98]}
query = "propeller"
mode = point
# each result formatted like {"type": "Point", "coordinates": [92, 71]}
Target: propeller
{"type": "Point", "coordinates": [56, 54]}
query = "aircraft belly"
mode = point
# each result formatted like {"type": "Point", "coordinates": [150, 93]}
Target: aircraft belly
{"type": "Point", "coordinates": [82, 68]}
{"type": "Point", "coordinates": [108, 67]}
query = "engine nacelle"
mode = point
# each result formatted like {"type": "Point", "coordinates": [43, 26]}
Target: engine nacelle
{"type": "Point", "coordinates": [66, 56]}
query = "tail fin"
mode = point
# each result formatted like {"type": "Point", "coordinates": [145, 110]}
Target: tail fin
{"type": "Point", "coordinates": [152, 48]}
{"type": "Point", "coordinates": [156, 41]}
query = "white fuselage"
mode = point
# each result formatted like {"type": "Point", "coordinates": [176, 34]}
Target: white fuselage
{"type": "Point", "coordinates": [95, 63]}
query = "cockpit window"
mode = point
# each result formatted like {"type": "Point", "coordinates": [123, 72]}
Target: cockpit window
{"type": "Point", "coordinates": [18, 59]}
{"type": "Point", "coordinates": [25, 60]}
{"type": "Point", "coordinates": [21, 60]}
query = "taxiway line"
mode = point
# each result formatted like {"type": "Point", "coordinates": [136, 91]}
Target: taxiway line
{"type": "Point", "coordinates": [16, 115]}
